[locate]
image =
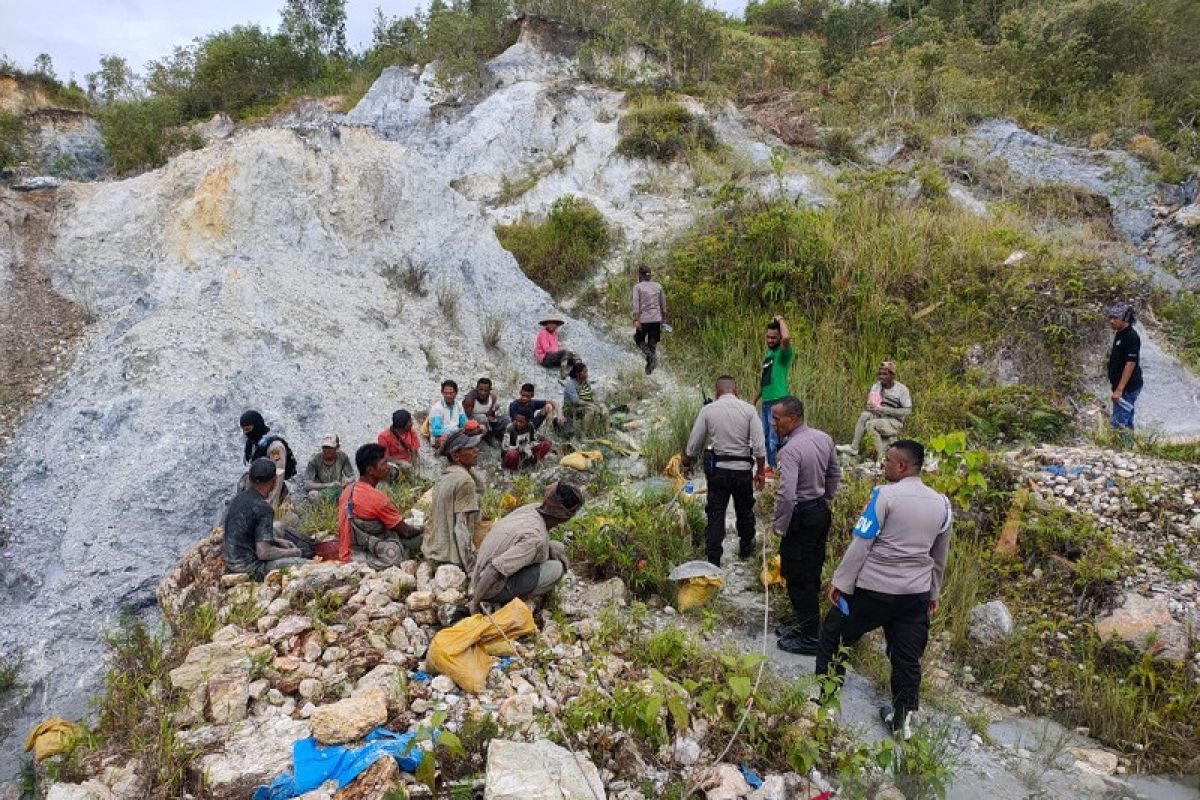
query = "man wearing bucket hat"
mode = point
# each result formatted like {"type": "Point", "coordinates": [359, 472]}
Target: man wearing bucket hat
{"type": "Point", "coordinates": [547, 350]}
{"type": "Point", "coordinates": [518, 558]}
{"type": "Point", "coordinates": [888, 403]}
{"type": "Point", "coordinates": [455, 509]}
{"type": "Point", "coordinates": [1124, 365]}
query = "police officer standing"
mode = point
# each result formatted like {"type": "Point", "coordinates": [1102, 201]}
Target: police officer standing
{"type": "Point", "coordinates": [890, 578]}
{"type": "Point", "coordinates": [809, 476]}
{"type": "Point", "coordinates": [733, 464]}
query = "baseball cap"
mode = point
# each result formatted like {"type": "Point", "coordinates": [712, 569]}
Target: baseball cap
{"type": "Point", "coordinates": [329, 440]}
{"type": "Point", "coordinates": [261, 469]}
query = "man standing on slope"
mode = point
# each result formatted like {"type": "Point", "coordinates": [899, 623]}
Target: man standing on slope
{"type": "Point", "coordinates": [735, 448]}
{"type": "Point", "coordinates": [773, 385]}
{"type": "Point", "coordinates": [1124, 365]}
{"type": "Point", "coordinates": [809, 476]}
{"type": "Point", "coordinates": [649, 314]}
{"type": "Point", "coordinates": [890, 578]}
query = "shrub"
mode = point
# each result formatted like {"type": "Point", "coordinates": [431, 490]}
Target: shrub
{"type": "Point", "coordinates": [12, 139]}
{"type": "Point", "coordinates": [790, 17]}
{"type": "Point", "coordinates": [565, 250]}
{"type": "Point", "coordinates": [663, 130]}
{"type": "Point", "coordinates": [638, 537]}
{"type": "Point", "coordinates": [142, 133]}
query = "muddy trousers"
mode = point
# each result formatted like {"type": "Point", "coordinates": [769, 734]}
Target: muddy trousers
{"type": "Point", "coordinates": [905, 622]}
{"type": "Point", "coordinates": [530, 582]}
{"type": "Point", "coordinates": [722, 485]}
{"type": "Point", "coordinates": [801, 557]}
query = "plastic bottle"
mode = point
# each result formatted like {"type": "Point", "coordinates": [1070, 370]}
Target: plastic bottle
{"type": "Point", "coordinates": [689, 488]}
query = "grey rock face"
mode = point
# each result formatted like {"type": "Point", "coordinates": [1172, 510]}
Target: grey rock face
{"type": "Point", "coordinates": [66, 143]}
{"type": "Point", "coordinates": [262, 272]}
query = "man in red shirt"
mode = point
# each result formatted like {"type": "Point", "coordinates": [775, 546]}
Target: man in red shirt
{"type": "Point", "coordinates": [368, 522]}
{"type": "Point", "coordinates": [400, 443]}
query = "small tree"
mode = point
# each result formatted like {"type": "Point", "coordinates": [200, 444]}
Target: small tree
{"type": "Point", "coordinates": [113, 81]}
{"type": "Point", "coordinates": [44, 66]}
{"type": "Point", "coordinates": [318, 25]}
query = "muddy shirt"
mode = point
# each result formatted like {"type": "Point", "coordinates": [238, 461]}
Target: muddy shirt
{"type": "Point", "coordinates": [448, 536]}
{"type": "Point", "coordinates": [1126, 347]}
{"type": "Point", "coordinates": [248, 520]}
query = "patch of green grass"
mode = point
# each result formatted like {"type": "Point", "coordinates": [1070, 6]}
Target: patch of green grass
{"type": "Point", "coordinates": [563, 251]}
{"type": "Point", "coordinates": [668, 437]}
{"type": "Point", "coordinates": [663, 130]}
{"type": "Point", "coordinates": [638, 537]}
{"type": "Point", "coordinates": [10, 670]}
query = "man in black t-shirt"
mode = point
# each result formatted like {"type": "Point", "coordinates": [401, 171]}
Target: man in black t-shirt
{"type": "Point", "coordinates": [1124, 365]}
{"type": "Point", "coordinates": [536, 411]}
{"type": "Point", "coordinates": [250, 543]}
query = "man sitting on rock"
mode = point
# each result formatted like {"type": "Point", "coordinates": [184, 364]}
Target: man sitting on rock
{"type": "Point", "coordinates": [518, 558]}
{"type": "Point", "coordinates": [522, 445]}
{"type": "Point", "coordinates": [328, 471]}
{"type": "Point", "coordinates": [536, 411]}
{"type": "Point", "coordinates": [455, 510]}
{"type": "Point", "coordinates": [483, 407]}
{"type": "Point", "coordinates": [446, 415]}
{"type": "Point", "coordinates": [251, 545]}
{"type": "Point", "coordinates": [401, 444]}
{"type": "Point", "coordinates": [368, 522]}
{"type": "Point", "coordinates": [579, 399]}
{"type": "Point", "coordinates": [888, 403]}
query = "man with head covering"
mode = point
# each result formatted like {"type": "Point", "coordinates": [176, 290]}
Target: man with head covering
{"type": "Point", "coordinates": [547, 350]}
{"type": "Point", "coordinates": [328, 471]}
{"type": "Point", "coordinates": [261, 443]}
{"type": "Point", "coordinates": [649, 314]}
{"type": "Point", "coordinates": [455, 510]}
{"type": "Point", "coordinates": [517, 558]}
{"type": "Point", "coordinates": [1124, 365]}
{"type": "Point", "coordinates": [368, 522]}
{"type": "Point", "coordinates": [250, 543]}
{"type": "Point", "coordinates": [888, 403]}
{"type": "Point", "coordinates": [401, 444]}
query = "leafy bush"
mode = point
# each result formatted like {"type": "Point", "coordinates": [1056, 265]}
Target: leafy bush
{"type": "Point", "coordinates": [790, 17]}
{"type": "Point", "coordinates": [142, 133]}
{"type": "Point", "coordinates": [565, 250]}
{"type": "Point", "coordinates": [637, 537]}
{"type": "Point", "coordinates": [12, 139]}
{"type": "Point", "coordinates": [663, 130]}
{"type": "Point", "coordinates": [1181, 315]}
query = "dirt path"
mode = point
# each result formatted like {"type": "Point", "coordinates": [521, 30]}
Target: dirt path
{"type": "Point", "coordinates": [38, 327]}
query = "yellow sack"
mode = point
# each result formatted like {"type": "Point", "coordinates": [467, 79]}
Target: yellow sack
{"type": "Point", "coordinates": [674, 469]}
{"type": "Point", "coordinates": [581, 459]}
{"type": "Point", "coordinates": [771, 575]}
{"type": "Point", "coordinates": [464, 651]}
{"type": "Point", "coordinates": [50, 738]}
{"type": "Point", "coordinates": [426, 432]}
{"type": "Point", "coordinates": [696, 592]}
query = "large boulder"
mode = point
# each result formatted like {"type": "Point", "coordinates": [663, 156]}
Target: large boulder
{"type": "Point", "coordinates": [539, 771]}
{"type": "Point", "coordinates": [350, 719]}
{"type": "Point", "coordinates": [990, 623]}
{"type": "Point", "coordinates": [1146, 623]}
{"type": "Point", "coordinates": [253, 756]}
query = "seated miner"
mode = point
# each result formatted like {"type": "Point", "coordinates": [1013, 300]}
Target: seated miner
{"type": "Point", "coordinates": [446, 415]}
{"type": "Point", "coordinates": [251, 544]}
{"type": "Point", "coordinates": [522, 445]}
{"type": "Point", "coordinates": [579, 399]}
{"type": "Point", "coordinates": [517, 558]}
{"type": "Point", "coordinates": [547, 350]}
{"type": "Point", "coordinates": [888, 403]}
{"type": "Point", "coordinates": [368, 522]}
{"type": "Point", "coordinates": [534, 409]}
{"type": "Point", "coordinates": [328, 471]}
{"type": "Point", "coordinates": [401, 444]}
{"type": "Point", "coordinates": [455, 509]}
{"type": "Point", "coordinates": [483, 406]}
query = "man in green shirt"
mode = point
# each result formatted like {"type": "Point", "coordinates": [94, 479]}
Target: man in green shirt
{"type": "Point", "coordinates": [773, 385]}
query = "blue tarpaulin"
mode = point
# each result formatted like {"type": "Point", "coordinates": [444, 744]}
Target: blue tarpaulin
{"type": "Point", "coordinates": [313, 764]}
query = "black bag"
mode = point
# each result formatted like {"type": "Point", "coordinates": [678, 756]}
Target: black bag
{"type": "Point", "coordinates": [307, 545]}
